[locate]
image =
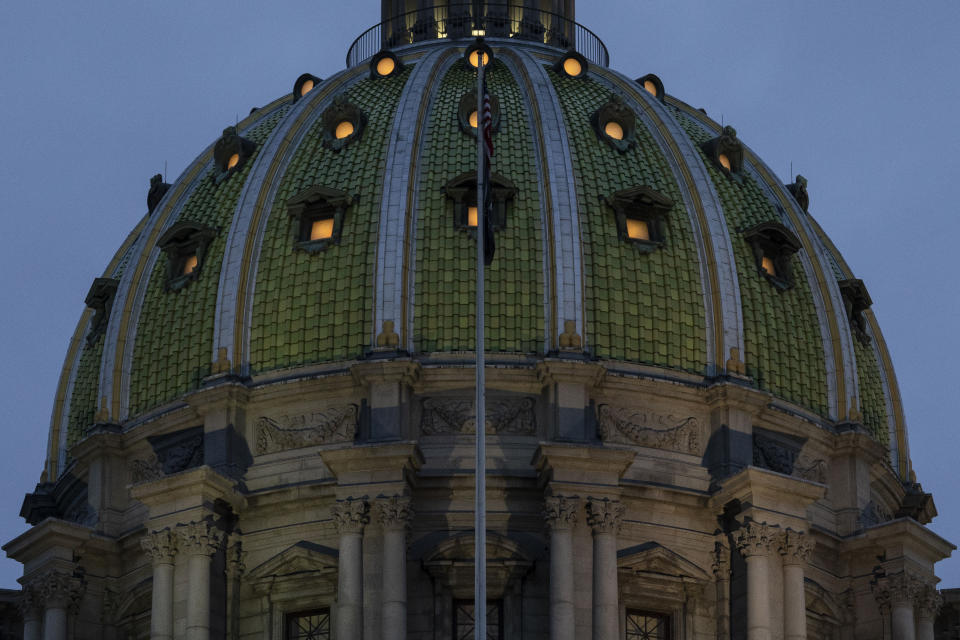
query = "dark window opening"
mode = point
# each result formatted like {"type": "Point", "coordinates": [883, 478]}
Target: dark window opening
{"type": "Point", "coordinates": [309, 625]}
{"type": "Point", "coordinates": [643, 625]}
{"type": "Point", "coordinates": [463, 619]}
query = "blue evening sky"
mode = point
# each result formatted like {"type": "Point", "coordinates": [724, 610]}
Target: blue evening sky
{"type": "Point", "coordinates": [98, 96]}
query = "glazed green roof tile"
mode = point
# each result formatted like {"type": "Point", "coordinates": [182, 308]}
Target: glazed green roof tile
{"type": "Point", "coordinates": [84, 400]}
{"type": "Point", "coordinates": [873, 401]}
{"type": "Point", "coordinates": [179, 324]}
{"type": "Point", "coordinates": [783, 343]}
{"type": "Point", "coordinates": [624, 288]}
{"type": "Point", "coordinates": [446, 256]}
{"type": "Point", "coordinates": [311, 308]}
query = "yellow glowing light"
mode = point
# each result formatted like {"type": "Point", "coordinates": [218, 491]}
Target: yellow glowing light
{"type": "Point", "coordinates": [637, 230]}
{"type": "Point", "coordinates": [471, 216]}
{"type": "Point", "coordinates": [572, 67]}
{"type": "Point", "coordinates": [190, 265]}
{"type": "Point", "coordinates": [306, 87]}
{"type": "Point", "coordinates": [767, 265]}
{"type": "Point", "coordinates": [479, 33]}
{"type": "Point", "coordinates": [475, 58]}
{"type": "Point", "coordinates": [724, 161]}
{"type": "Point", "coordinates": [385, 66]}
{"type": "Point", "coordinates": [321, 229]}
{"type": "Point", "coordinates": [473, 119]}
{"type": "Point", "coordinates": [233, 161]}
{"type": "Point", "coordinates": [614, 130]}
{"type": "Point", "coordinates": [344, 129]}
{"type": "Point", "coordinates": [650, 87]}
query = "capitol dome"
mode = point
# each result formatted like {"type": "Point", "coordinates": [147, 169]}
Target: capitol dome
{"type": "Point", "coordinates": [265, 419]}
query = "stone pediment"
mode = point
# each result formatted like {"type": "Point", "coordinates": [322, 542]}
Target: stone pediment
{"type": "Point", "coordinates": [652, 558]}
{"type": "Point", "coordinates": [451, 564]}
{"type": "Point", "coordinates": [300, 559]}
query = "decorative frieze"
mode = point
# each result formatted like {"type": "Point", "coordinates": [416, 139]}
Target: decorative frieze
{"type": "Point", "coordinates": [795, 547]}
{"type": "Point", "coordinates": [560, 512]}
{"type": "Point", "coordinates": [350, 515]}
{"type": "Point", "coordinates": [394, 512]}
{"type": "Point", "coordinates": [145, 470]}
{"type": "Point", "coordinates": [756, 539]}
{"type": "Point", "coordinates": [605, 515]}
{"type": "Point", "coordinates": [332, 425]}
{"type": "Point", "coordinates": [504, 416]}
{"type": "Point", "coordinates": [198, 539]}
{"type": "Point", "coordinates": [161, 546]}
{"type": "Point", "coordinates": [649, 429]}
{"type": "Point", "coordinates": [785, 454]}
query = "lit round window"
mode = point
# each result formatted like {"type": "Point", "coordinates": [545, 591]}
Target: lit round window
{"type": "Point", "coordinates": [386, 65]}
{"type": "Point", "coordinates": [306, 87]}
{"type": "Point", "coordinates": [614, 129]}
{"type": "Point", "coordinates": [344, 130]}
{"type": "Point", "coordinates": [475, 58]}
{"type": "Point", "coordinates": [233, 161]}
{"type": "Point", "coordinates": [572, 67]}
{"type": "Point", "coordinates": [724, 161]}
{"type": "Point", "coordinates": [473, 119]}
{"type": "Point", "coordinates": [650, 87]}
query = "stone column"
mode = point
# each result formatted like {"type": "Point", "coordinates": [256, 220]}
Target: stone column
{"type": "Point", "coordinates": [604, 517]}
{"type": "Point", "coordinates": [59, 591]}
{"type": "Point", "coordinates": [755, 542]}
{"type": "Point", "coordinates": [721, 577]}
{"type": "Point", "coordinates": [350, 517]}
{"type": "Point", "coordinates": [199, 541]}
{"type": "Point", "coordinates": [560, 512]}
{"type": "Point", "coordinates": [30, 611]}
{"type": "Point", "coordinates": [928, 604]}
{"type": "Point", "coordinates": [795, 547]}
{"type": "Point", "coordinates": [898, 592]}
{"type": "Point", "coordinates": [161, 546]}
{"type": "Point", "coordinates": [394, 514]}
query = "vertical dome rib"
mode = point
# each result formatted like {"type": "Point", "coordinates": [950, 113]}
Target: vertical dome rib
{"type": "Point", "coordinates": [232, 323]}
{"type": "Point", "coordinates": [724, 317]}
{"type": "Point", "coordinates": [393, 286]}
{"type": "Point", "coordinates": [564, 276]}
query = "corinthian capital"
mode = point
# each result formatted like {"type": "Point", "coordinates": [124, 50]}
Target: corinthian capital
{"type": "Point", "coordinates": [898, 588]}
{"type": "Point", "coordinates": [560, 512]}
{"type": "Point", "coordinates": [394, 512]}
{"type": "Point", "coordinates": [160, 545]}
{"type": "Point", "coordinates": [605, 515]}
{"type": "Point", "coordinates": [795, 547]}
{"type": "Point", "coordinates": [756, 538]}
{"type": "Point", "coordinates": [350, 515]}
{"type": "Point", "coordinates": [56, 589]}
{"type": "Point", "coordinates": [929, 602]}
{"type": "Point", "coordinates": [199, 538]}
{"type": "Point", "coordinates": [29, 603]}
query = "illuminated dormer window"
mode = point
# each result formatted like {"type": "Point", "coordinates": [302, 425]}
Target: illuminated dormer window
{"type": "Point", "coordinates": [304, 85]}
{"type": "Point", "coordinates": [316, 217]}
{"type": "Point", "coordinates": [615, 124]}
{"type": "Point", "coordinates": [343, 123]}
{"type": "Point", "coordinates": [856, 300]}
{"type": "Point", "coordinates": [773, 248]}
{"type": "Point", "coordinates": [725, 151]}
{"type": "Point", "coordinates": [384, 65]}
{"type": "Point", "coordinates": [231, 152]}
{"type": "Point", "coordinates": [463, 192]}
{"type": "Point", "coordinates": [641, 216]}
{"type": "Point", "coordinates": [572, 65]}
{"type": "Point", "coordinates": [467, 115]}
{"type": "Point", "coordinates": [474, 52]}
{"type": "Point", "coordinates": [185, 245]}
{"type": "Point", "coordinates": [652, 85]}
{"type": "Point", "coordinates": [100, 299]}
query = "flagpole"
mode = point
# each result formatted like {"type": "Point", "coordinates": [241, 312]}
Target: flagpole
{"type": "Point", "coordinates": [480, 504]}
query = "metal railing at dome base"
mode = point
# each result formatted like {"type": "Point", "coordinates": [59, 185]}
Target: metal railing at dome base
{"type": "Point", "coordinates": [498, 21]}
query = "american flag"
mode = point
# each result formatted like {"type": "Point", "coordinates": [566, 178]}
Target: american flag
{"type": "Point", "coordinates": [486, 135]}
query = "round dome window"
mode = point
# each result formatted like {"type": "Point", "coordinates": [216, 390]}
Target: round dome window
{"type": "Point", "coordinates": [344, 130]}
{"type": "Point", "coordinates": [614, 129]}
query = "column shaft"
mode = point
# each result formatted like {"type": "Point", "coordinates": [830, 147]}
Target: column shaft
{"type": "Point", "coordinates": [562, 623]}
{"type": "Point", "coordinates": [925, 628]}
{"type": "Point", "coordinates": [394, 584]}
{"type": "Point", "coordinates": [758, 598]}
{"type": "Point", "coordinates": [198, 599]}
{"type": "Point", "coordinates": [606, 607]}
{"type": "Point", "coordinates": [161, 611]}
{"type": "Point", "coordinates": [55, 623]}
{"type": "Point", "coordinates": [31, 627]}
{"type": "Point", "coordinates": [350, 585]}
{"type": "Point", "coordinates": [794, 603]}
{"type": "Point", "coordinates": [902, 621]}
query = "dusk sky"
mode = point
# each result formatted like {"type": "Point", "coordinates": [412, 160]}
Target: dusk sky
{"type": "Point", "coordinates": [859, 96]}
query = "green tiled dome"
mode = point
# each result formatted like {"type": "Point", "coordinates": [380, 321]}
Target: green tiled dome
{"type": "Point", "coordinates": [397, 279]}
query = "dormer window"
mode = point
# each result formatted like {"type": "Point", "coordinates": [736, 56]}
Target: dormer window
{"type": "Point", "coordinates": [463, 191]}
{"type": "Point", "coordinates": [100, 299]}
{"type": "Point", "coordinates": [343, 123]}
{"type": "Point", "coordinates": [316, 216]}
{"type": "Point", "coordinates": [467, 114]}
{"type": "Point", "coordinates": [185, 245]}
{"type": "Point", "coordinates": [856, 300]}
{"type": "Point", "coordinates": [615, 124]}
{"type": "Point", "coordinates": [641, 216]}
{"type": "Point", "coordinates": [725, 151]}
{"type": "Point", "coordinates": [652, 85]}
{"type": "Point", "coordinates": [231, 152]}
{"type": "Point", "coordinates": [773, 248]}
{"type": "Point", "coordinates": [304, 85]}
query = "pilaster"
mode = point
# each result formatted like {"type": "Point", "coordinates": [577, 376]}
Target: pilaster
{"type": "Point", "coordinates": [387, 387]}
{"type": "Point", "coordinates": [733, 410]}
{"type": "Point", "coordinates": [569, 384]}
